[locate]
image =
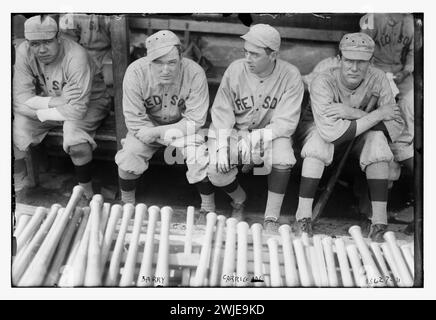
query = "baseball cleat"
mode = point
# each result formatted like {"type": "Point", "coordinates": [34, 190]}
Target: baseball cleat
{"type": "Point", "coordinates": [238, 210]}
{"type": "Point", "coordinates": [271, 226]}
{"type": "Point", "coordinates": [377, 232]}
{"type": "Point", "coordinates": [303, 225]}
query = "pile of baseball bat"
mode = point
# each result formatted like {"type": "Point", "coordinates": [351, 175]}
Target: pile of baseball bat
{"type": "Point", "coordinates": [104, 245]}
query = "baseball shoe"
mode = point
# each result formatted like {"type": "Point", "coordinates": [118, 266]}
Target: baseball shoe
{"type": "Point", "coordinates": [238, 210]}
{"type": "Point", "coordinates": [271, 226]}
{"type": "Point", "coordinates": [201, 218]}
{"type": "Point", "coordinates": [410, 229]}
{"type": "Point", "coordinates": [377, 231]}
{"type": "Point", "coordinates": [303, 225]}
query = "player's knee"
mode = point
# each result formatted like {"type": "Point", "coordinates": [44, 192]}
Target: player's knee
{"type": "Point", "coordinates": [375, 149]}
{"type": "Point", "coordinates": [319, 149]}
{"type": "Point", "coordinates": [130, 163]}
{"type": "Point", "coordinates": [81, 151]}
{"type": "Point", "coordinates": [219, 179]}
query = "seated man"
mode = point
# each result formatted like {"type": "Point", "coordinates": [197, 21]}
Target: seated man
{"type": "Point", "coordinates": [393, 34]}
{"type": "Point", "coordinates": [165, 96]}
{"type": "Point", "coordinates": [255, 112]}
{"type": "Point", "coordinates": [56, 84]}
{"type": "Point", "coordinates": [338, 100]}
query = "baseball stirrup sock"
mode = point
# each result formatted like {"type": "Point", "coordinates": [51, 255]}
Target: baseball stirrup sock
{"type": "Point", "coordinates": [83, 173]}
{"type": "Point", "coordinates": [128, 196]}
{"type": "Point", "coordinates": [127, 185]}
{"type": "Point", "coordinates": [308, 187]}
{"type": "Point", "coordinates": [274, 205]}
{"type": "Point", "coordinates": [87, 186]}
{"type": "Point", "coordinates": [208, 202]}
{"type": "Point", "coordinates": [278, 180]}
{"type": "Point", "coordinates": [205, 187]}
{"type": "Point", "coordinates": [238, 195]}
{"type": "Point", "coordinates": [378, 189]}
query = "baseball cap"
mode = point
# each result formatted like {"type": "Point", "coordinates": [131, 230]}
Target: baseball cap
{"type": "Point", "coordinates": [263, 35]}
{"type": "Point", "coordinates": [160, 43]}
{"type": "Point", "coordinates": [40, 28]}
{"type": "Point", "coordinates": [357, 46]}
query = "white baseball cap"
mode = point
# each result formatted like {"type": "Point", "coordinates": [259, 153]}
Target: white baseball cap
{"type": "Point", "coordinates": [40, 28]}
{"type": "Point", "coordinates": [357, 46]}
{"type": "Point", "coordinates": [263, 35]}
{"type": "Point", "coordinates": [160, 43]}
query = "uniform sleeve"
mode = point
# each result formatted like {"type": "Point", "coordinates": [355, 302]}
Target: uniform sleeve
{"type": "Point", "coordinates": [394, 127]}
{"type": "Point", "coordinates": [321, 95]}
{"type": "Point", "coordinates": [287, 113]}
{"type": "Point", "coordinates": [198, 102]}
{"type": "Point", "coordinates": [134, 111]}
{"type": "Point", "coordinates": [367, 25]}
{"type": "Point", "coordinates": [222, 113]}
{"type": "Point", "coordinates": [25, 85]}
{"type": "Point", "coordinates": [80, 74]}
{"type": "Point", "coordinates": [409, 63]}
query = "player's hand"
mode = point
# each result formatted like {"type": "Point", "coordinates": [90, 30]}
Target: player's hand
{"type": "Point", "coordinates": [400, 76]}
{"type": "Point", "coordinates": [148, 135]}
{"type": "Point", "coordinates": [339, 111]}
{"type": "Point", "coordinates": [223, 165]}
{"type": "Point", "coordinates": [390, 112]}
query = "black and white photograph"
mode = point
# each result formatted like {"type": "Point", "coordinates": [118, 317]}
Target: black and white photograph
{"type": "Point", "coordinates": [224, 150]}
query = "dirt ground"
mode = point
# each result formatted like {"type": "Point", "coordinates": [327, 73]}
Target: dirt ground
{"type": "Point", "coordinates": [167, 186]}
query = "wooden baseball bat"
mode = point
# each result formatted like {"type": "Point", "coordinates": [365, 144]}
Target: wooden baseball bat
{"type": "Point", "coordinates": [358, 270]}
{"type": "Point", "coordinates": [114, 266]}
{"type": "Point", "coordinates": [186, 273]}
{"type": "Point", "coordinates": [317, 243]}
{"type": "Point", "coordinates": [370, 266]}
{"type": "Point", "coordinates": [127, 278]}
{"type": "Point", "coordinates": [145, 273]}
{"type": "Point", "coordinates": [330, 261]}
{"type": "Point", "coordinates": [104, 219]}
{"type": "Point", "coordinates": [93, 262]}
{"type": "Point", "coordinates": [201, 272]}
{"type": "Point", "coordinates": [162, 273]}
{"type": "Point", "coordinates": [303, 270]}
{"type": "Point", "coordinates": [405, 249]}
{"type": "Point", "coordinates": [375, 247]}
{"type": "Point", "coordinates": [35, 274]}
{"type": "Point", "coordinates": [313, 265]}
{"type": "Point", "coordinates": [21, 224]}
{"type": "Point", "coordinates": [241, 262]}
{"type": "Point", "coordinates": [115, 214]}
{"type": "Point", "coordinates": [66, 278]}
{"type": "Point", "coordinates": [256, 231]}
{"type": "Point", "coordinates": [325, 196]}
{"type": "Point", "coordinates": [274, 265]}
{"type": "Point", "coordinates": [229, 253]}
{"type": "Point", "coordinates": [388, 255]}
{"type": "Point", "coordinates": [291, 273]}
{"type": "Point", "coordinates": [305, 239]}
{"type": "Point", "coordinates": [347, 280]}
{"type": "Point", "coordinates": [216, 253]}
{"type": "Point", "coordinates": [31, 227]}
{"type": "Point", "coordinates": [61, 252]}
{"type": "Point", "coordinates": [25, 256]}
{"type": "Point", "coordinates": [406, 277]}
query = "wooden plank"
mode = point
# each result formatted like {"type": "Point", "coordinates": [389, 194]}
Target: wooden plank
{"type": "Point", "coordinates": [234, 29]}
{"type": "Point", "coordinates": [120, 54]}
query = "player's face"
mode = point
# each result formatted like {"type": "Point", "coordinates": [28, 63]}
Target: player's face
{"type": "Point", "coordinates": [353, 71]}
{"type": "Point", "coordinates": [46, 51]}
{"type": "Point", "coordinates": [167, 67]}
{"type": "Point", "coordinates": [258, 61]}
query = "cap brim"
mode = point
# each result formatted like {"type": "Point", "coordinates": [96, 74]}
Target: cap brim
{"type": "Point", "coordinates": [40, 35]}
{"type": "Point", "coordinates": [357, 55]}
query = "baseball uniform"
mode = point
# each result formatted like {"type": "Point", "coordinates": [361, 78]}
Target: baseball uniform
{"type": "Point", "coordinates": [74, 68]}
{"type": "Point", "coordinates": [245, 102]}
{"type": "Point", "coordinates": [393, 35]}
{"type": "Point", "coordinates": [147, 103]}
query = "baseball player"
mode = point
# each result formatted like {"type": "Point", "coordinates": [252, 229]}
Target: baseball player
{"type": "Point", "coordinates": [338, 98]}
{"type": "Point", "coordinates": [257, 104]}
{"type": "Point", "coordinates": [92, 31]}
{"type": "Point", "coordinates": [393, 34]}
{"type": "Point", "coordinates": [164, 94]}
{"type": "Point", "coordinates": [56, 84]}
